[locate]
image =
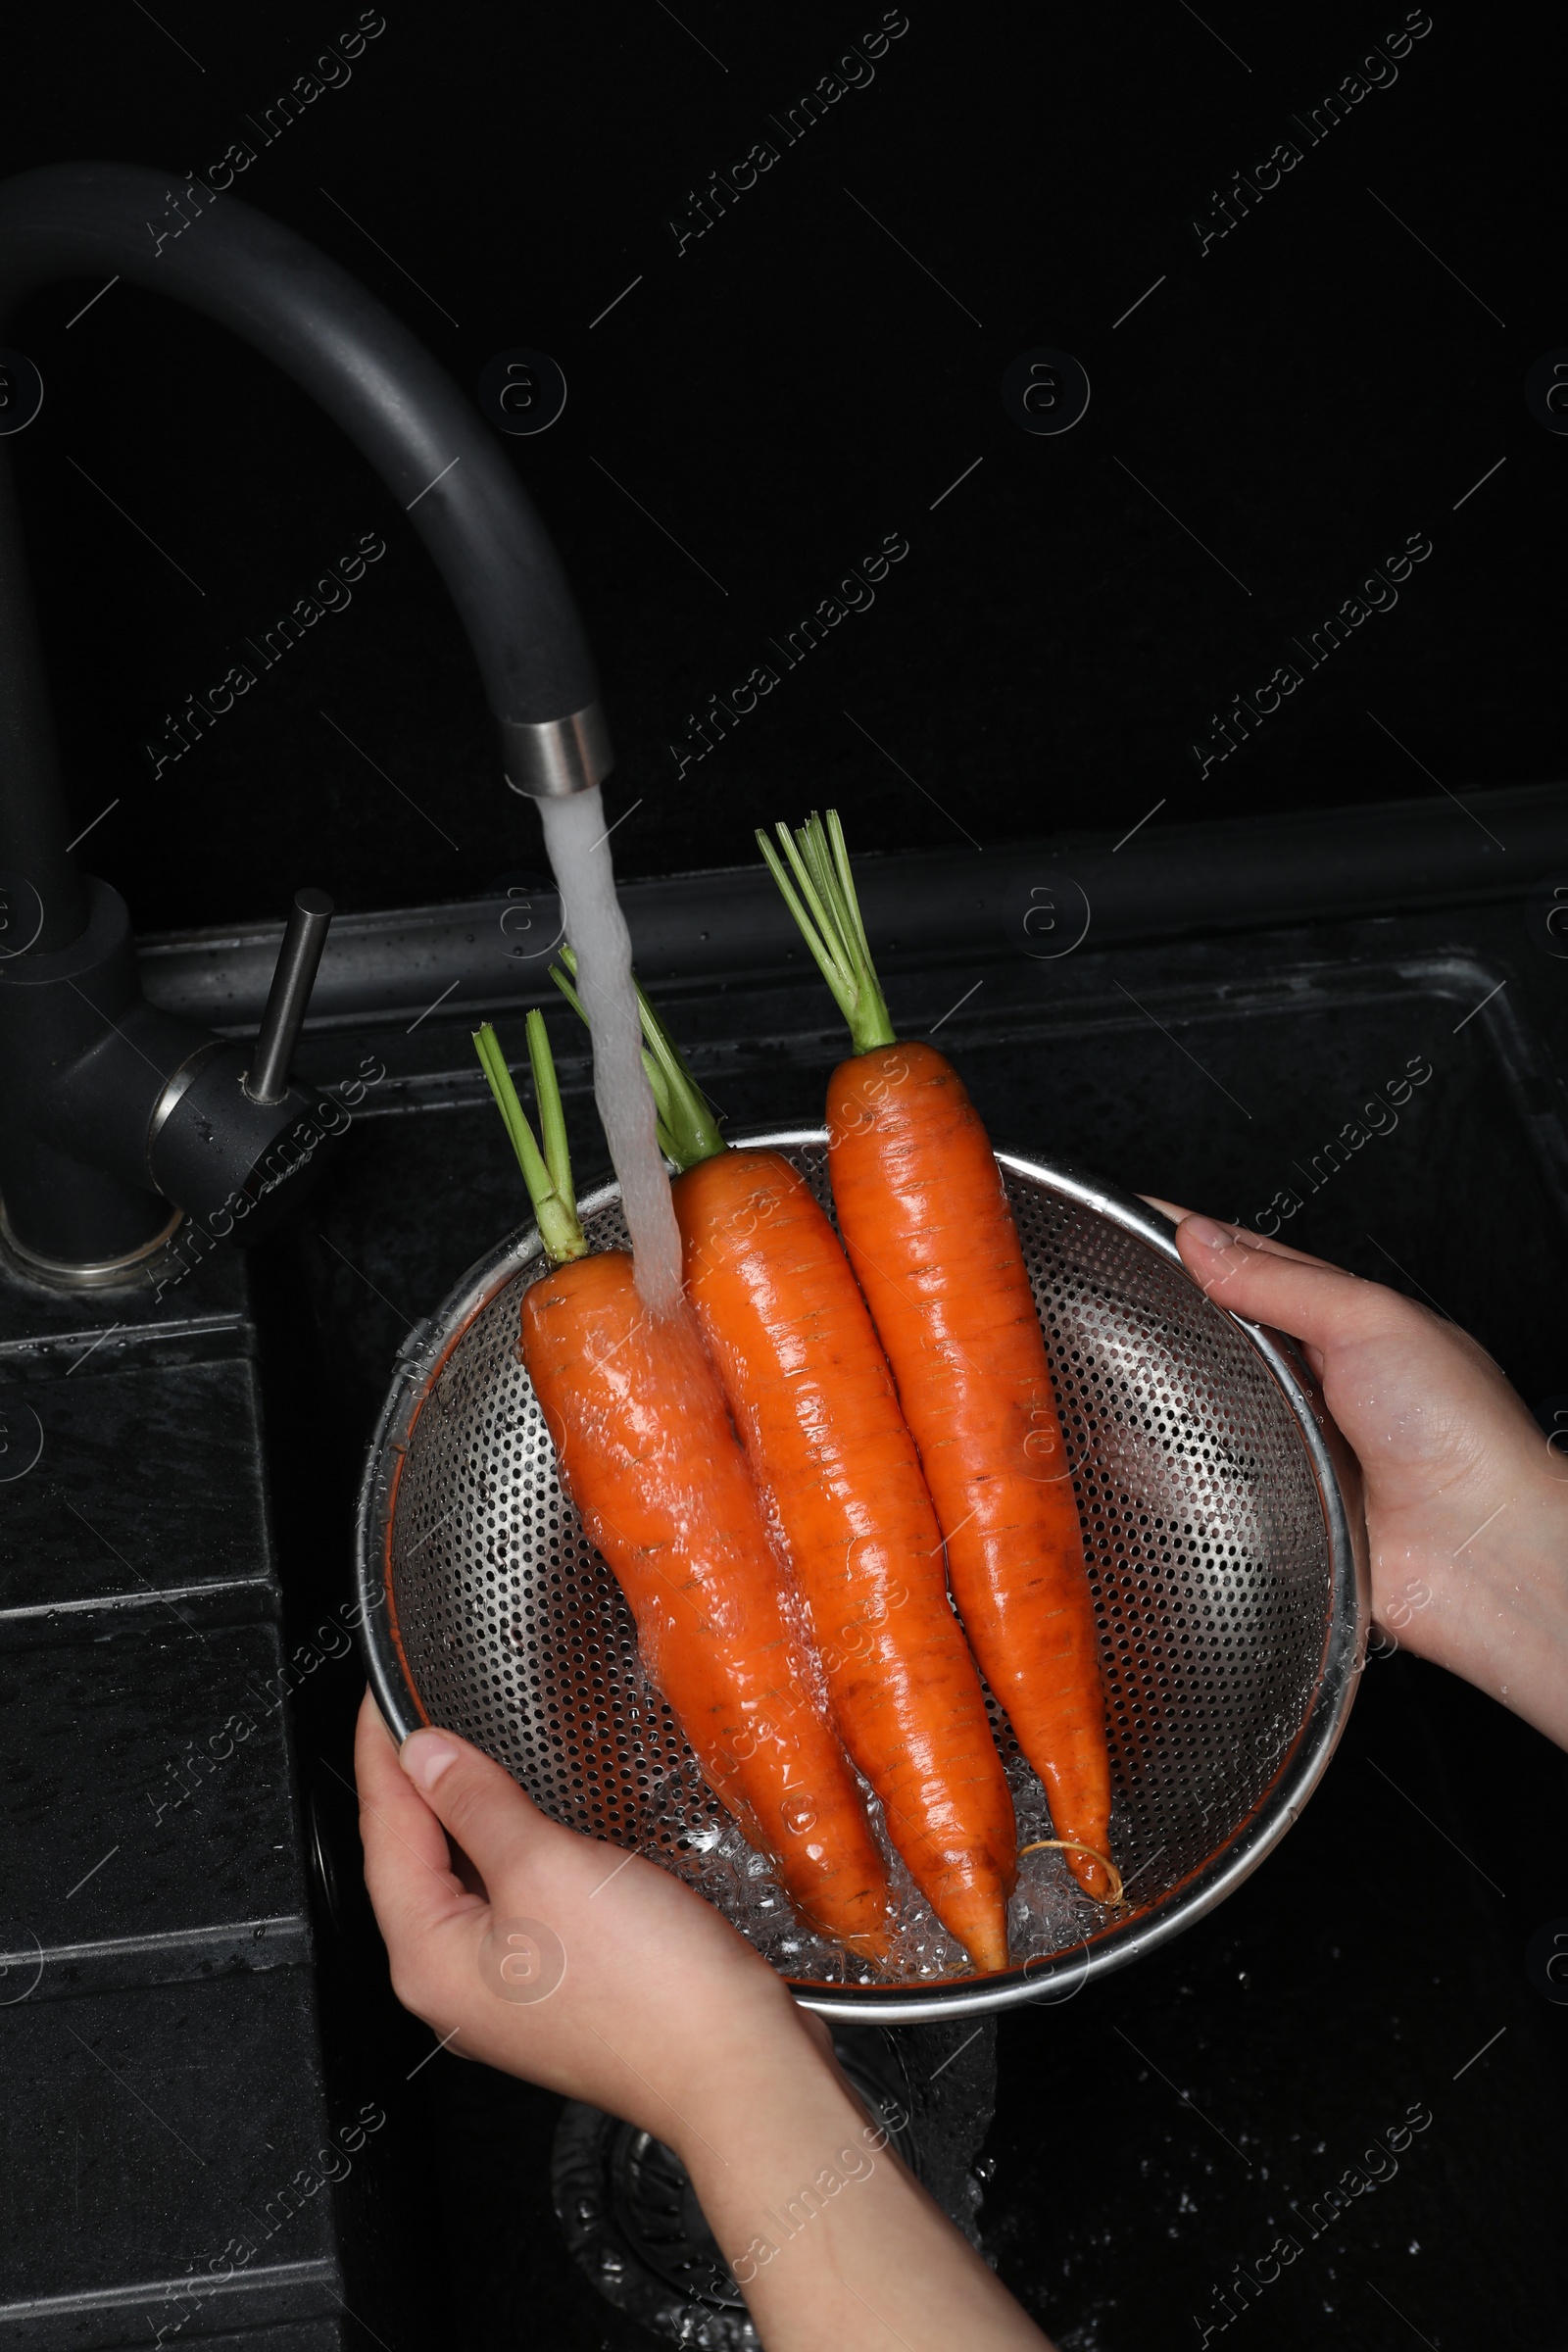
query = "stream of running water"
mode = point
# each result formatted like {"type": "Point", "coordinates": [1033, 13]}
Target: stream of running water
{"type": "Point", "coordinates": [578, 841]}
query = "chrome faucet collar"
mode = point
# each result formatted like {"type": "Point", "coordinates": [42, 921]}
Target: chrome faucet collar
{"type": "Point", "coordinates": [553, 758]}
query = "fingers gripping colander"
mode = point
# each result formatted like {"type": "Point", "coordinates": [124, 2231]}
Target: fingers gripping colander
{"type": "Point", "coordinates": [1224, 1540]}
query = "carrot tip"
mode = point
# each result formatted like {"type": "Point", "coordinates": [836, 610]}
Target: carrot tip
{"type": "Point", "coordinates": [1076, 1845]}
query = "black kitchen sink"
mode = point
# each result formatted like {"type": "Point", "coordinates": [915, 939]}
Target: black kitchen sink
{"type": "Point", "coordinates": [207, 2058]}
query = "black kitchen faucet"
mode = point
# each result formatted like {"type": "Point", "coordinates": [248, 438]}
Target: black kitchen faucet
{"type": "Point", "coordinates": [115, 1118]}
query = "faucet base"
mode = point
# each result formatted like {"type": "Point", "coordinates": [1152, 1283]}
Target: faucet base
{"type": "Point", "coordinates": [100, 1274]}
{"type": "Point", "coordinates": [115, 1112]}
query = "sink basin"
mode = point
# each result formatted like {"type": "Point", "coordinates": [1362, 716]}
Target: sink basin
{"type": "Point", "coordinates": [217, 2111]}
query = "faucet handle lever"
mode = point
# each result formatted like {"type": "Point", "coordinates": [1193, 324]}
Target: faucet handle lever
{"type": "Point", "coordinates": [288, 1000]}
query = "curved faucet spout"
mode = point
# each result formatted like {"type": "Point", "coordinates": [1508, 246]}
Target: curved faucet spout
{"type": "Point", "coordinates": [113, 1111]}
{"type": "Point", "coordinates": [395, 403]}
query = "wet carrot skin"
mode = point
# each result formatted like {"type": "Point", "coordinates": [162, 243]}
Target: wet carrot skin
{"type": "Point", "coordinates": [931, 1236]}
{"type": "Point", "coordinates": [812, 1395]}
{"type": "Point", "coordinates": [648, 1455]}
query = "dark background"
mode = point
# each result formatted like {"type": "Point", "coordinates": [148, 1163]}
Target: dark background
{"type": "Point", "coordinates": [794, 386]}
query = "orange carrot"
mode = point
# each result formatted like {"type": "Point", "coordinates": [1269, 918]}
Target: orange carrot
{"type": "Point", "coordinates": [649, 1456]}
{"type": "Point", "coordinates": [932, 1240]}
{"type": "Point", "coordinates": [809, 1390]}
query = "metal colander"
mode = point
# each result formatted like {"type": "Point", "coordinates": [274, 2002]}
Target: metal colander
{"type": "Point", "coordinates": [1224, 1541]}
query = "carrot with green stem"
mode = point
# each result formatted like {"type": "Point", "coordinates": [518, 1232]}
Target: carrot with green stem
{"type": "Point", "coordinates": [648, 1455]}
{"type": "Point", "coordinates": [931, 1236]}
{"type": "Point", "coordinates": [810, 1393]}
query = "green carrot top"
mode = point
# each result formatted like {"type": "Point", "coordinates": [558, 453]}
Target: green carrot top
{"type": "Point", "coordinates": [688, 1125]}
{"type": "Point", "coordinates": [823, 900]}
{"type": "Point", "coordinates": [547, 1173]}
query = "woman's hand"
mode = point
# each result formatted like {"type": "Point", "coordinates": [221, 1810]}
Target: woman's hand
{"type": "Point", "coordinates": [599, 1975]}
{"type": "Point", "coordinates": [586, 1970]}
{"type": "Point", "coordinates": [1466, 1510]}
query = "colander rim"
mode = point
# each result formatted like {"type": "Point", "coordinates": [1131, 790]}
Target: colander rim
{"type": "Point", "coordinates": [1336, 1475]}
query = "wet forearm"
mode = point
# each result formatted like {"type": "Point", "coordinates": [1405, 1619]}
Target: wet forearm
{"type": "Point", "coordinates": [1497, 1612]}
{"type": "Point", "coordinates": [832, 2241]}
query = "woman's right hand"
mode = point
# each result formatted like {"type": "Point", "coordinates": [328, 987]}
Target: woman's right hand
{"type": "Point", "coordinates": [1466, 1507]}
